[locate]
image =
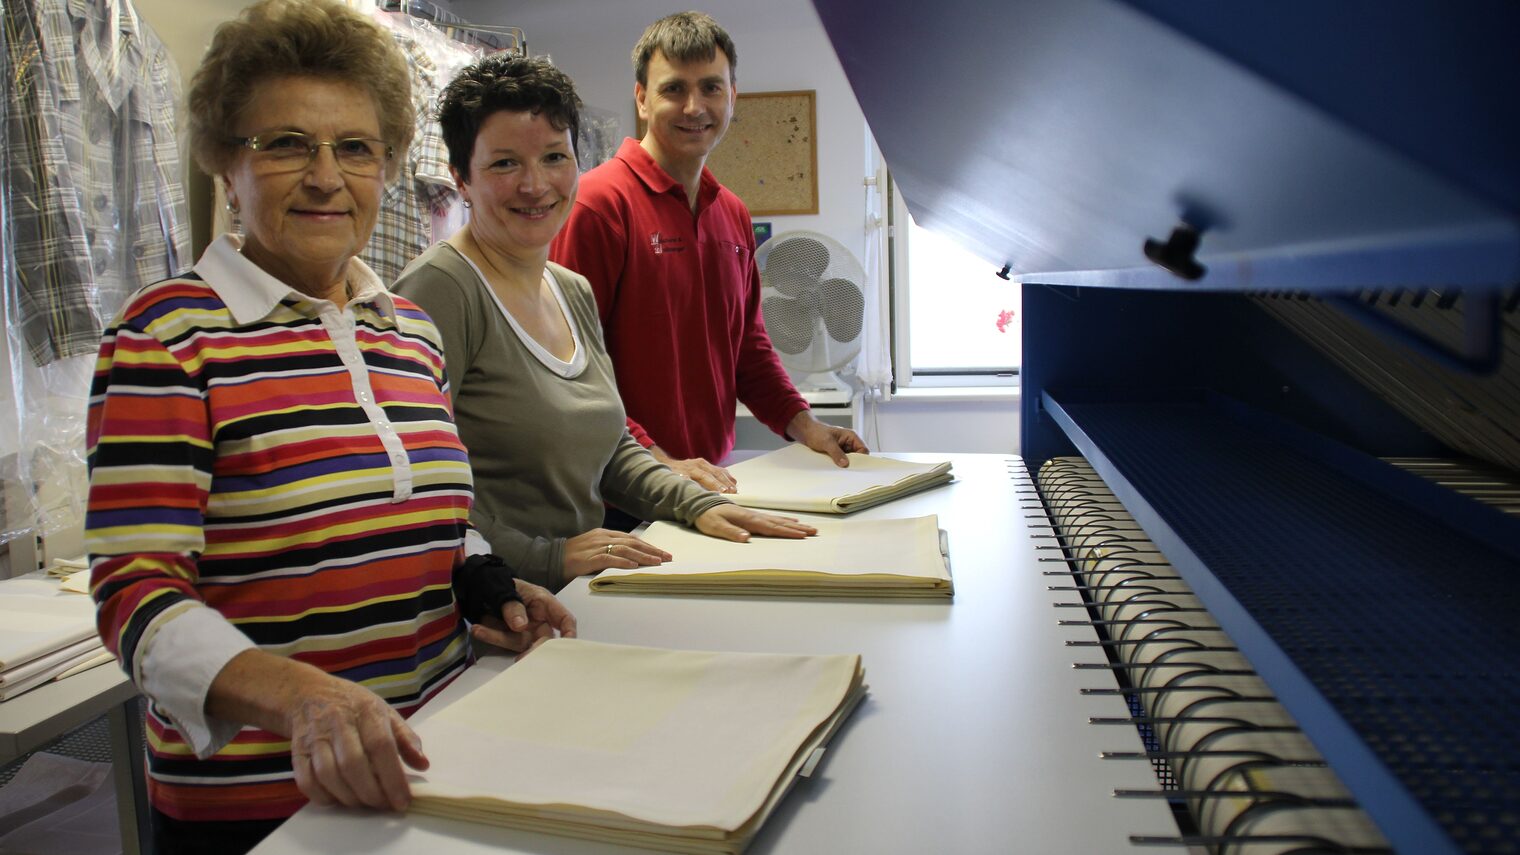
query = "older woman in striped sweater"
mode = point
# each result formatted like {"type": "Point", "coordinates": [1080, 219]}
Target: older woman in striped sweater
{"type": "Point", "coordinates": [279, 501]}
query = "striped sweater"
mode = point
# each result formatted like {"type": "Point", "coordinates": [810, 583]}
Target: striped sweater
{"type": "Point", "coordinates": [300, 474]}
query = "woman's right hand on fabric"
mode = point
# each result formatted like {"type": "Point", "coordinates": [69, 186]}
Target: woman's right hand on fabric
{"type": "Point", "coordinates": [527, 622]}
{"type": "Point", "coordinates": [601, 548]}
{"type": "Point", "coordinates": [347, 747]}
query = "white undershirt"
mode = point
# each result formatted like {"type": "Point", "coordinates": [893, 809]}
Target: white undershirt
{"type": "Point", "coordinates": [569, 370]}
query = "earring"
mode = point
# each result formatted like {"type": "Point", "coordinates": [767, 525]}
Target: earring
{"type": "Point", "coordinates": [467, 204]}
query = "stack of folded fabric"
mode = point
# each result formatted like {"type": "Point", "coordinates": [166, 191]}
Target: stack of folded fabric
{"type": "Point", "coordinates": [74, 573]}
{"type": "Point", "coordinates": [847, 558]}
{"type": "Point", "coordinates": [46, 633]}
{"type": "Point", "coordinates": [796, 478]}
{"type": "Point", "coordinates": [671, 750]}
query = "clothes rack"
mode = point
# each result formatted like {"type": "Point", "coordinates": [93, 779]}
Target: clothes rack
{"type": "Point", "coordinates": [492, 36]}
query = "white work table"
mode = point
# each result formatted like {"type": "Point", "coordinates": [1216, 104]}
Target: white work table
{"type": "Point", "coordinates": [35, 718]}
{"type": "Point", "coordinates": [974, 737]}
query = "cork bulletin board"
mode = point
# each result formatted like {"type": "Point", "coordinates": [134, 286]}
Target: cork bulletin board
{"type": "Point", "coordinates": [769, 157]}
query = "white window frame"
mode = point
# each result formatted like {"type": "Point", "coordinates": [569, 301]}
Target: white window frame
{"type": "Point", "coordinates": [997, 384]}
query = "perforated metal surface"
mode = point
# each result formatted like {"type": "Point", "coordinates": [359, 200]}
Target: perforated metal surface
{"type": "Point", "coordinates": [90, 741]}
{"type": "Point", "coordinates": [1364, 608]}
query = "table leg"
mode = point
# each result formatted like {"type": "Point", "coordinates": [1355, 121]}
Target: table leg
{"type": "Point", "coordinates": [131, 784]}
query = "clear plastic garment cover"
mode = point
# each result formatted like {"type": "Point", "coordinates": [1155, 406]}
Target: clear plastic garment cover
{"type": "Point", "coordinates": [94, 208]}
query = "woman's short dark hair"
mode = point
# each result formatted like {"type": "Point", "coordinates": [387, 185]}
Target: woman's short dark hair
{"type": "Point", "coordinates": [504, 82]}
{"type": "Point", "coordinates": [296, 38]}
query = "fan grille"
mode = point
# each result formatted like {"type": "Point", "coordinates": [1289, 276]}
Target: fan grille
{"type": "Point", "coordinates": [812, 301]}
{"type": "Point", "coordinates": [791, 332]}
{"type": "Point", "coordinates": [795, 264]}
{"type": "Point", "coordinates": [844, 308]}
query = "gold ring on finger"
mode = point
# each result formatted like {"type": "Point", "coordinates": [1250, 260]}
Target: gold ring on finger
{"type": "Point", "coordinates": [608, 550]}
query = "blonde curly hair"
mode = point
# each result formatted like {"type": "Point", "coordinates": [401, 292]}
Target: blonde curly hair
{"type": "Point", "coordinates": [284, 38]}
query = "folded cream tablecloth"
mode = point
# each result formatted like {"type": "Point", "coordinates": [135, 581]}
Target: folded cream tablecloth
{"type": "Point", "coordinates": [859, 558]}
{"type": "Point", "coordinates": [796, 478]}
{"type": "Point", "coordinates": [673, 750]}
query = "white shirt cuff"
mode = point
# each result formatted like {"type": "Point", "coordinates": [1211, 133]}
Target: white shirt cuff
{"type": "Point", "coordinates": [474, 544]}
{"type": "Point", "coordinates": [181, 657]}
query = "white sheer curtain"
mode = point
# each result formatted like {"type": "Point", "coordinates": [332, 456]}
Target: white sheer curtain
{"type": "Point", "coordinates": [872, 372]}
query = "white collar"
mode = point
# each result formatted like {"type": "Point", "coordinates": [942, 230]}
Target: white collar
{"type": "Point", "coordinates": [251, 293]}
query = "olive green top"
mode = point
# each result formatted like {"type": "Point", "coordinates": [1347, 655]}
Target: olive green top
{"type": "Point", "coordinates": [548, 440]}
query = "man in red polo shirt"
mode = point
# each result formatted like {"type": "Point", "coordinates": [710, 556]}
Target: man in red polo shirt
{"type": "Point", "coordinates": [670, 253]}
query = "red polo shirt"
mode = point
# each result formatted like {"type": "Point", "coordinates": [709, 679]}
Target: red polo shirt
{"type": "Point", "coordinates": [679, 297]}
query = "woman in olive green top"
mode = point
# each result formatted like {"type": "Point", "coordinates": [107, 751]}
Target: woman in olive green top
{"type": "Point", "coordinates": [534, 395]}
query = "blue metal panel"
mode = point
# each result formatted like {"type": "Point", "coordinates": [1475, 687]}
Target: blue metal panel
{"type": "Point", "coordinates": [1130, 343]}
{"type": "Point", "coordinates": [1060, 135]}
{"type": "Point", "coordinates": [1326, 148]}
{"type": "Point", "coordinates": [1444, 75]}
{"type": "Point", "coordinates": [1478, 258]}
{"type": "Point", "coordinates": [1333, 574]}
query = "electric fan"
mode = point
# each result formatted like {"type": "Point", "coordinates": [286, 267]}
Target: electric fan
{"type": "Point", "coordinates": [813, 302]}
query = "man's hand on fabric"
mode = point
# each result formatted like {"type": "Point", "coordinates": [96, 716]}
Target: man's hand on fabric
{"type": "Point", "coordinates": [836, 442]}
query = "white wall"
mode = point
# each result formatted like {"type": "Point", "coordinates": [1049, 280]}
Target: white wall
{"type": "Point", "coordinates": [959, 422]}
{"type": "Point", "coordinates": [781, 46]}
{"type": "Point", "coordinates": [186, 28]}
{"type": "Point", "coordinates": [932, 423]}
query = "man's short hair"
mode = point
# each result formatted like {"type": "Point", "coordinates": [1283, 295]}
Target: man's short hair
{"type": "Point", "coordinates": [684, 37]}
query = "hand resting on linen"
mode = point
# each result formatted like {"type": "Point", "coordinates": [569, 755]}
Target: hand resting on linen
{"type": "Point", "coordinates": [734, 522]}
{"type": "Point", "coordinates": [524, 624]}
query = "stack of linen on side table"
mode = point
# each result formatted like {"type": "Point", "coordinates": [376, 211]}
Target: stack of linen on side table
{"type": "Point", "coordinates": [47, 629]}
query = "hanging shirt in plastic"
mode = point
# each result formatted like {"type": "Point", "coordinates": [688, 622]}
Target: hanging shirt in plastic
{"type": "Point", "coordinates": [116, 209]}
{"type": "Point", "coordinates": [403, 228]}
{"type": "Point", "coordinates": [57, 313]}
{"type": "Point", "coordinates": [119, 123]}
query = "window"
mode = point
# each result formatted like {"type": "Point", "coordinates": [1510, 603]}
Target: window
{"type": "Point", "coordinates": [955, 321]}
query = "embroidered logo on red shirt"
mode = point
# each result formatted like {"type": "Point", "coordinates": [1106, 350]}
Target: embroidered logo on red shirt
{"type": "Point", "coordinates": [666, 243]}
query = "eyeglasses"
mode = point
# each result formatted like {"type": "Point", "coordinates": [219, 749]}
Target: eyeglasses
{"type": "Point", "coordinates": [289, 151]}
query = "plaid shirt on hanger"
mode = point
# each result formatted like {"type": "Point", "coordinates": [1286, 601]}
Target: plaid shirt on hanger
{"type": "Point", "coordinates": [57, 312]}
{"type": "Point", "coordinates": [118, 90]}
{"type": "Point", "coordinates": [403, 228]}
{"type": "Point", "coordinates": [101, 208]}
